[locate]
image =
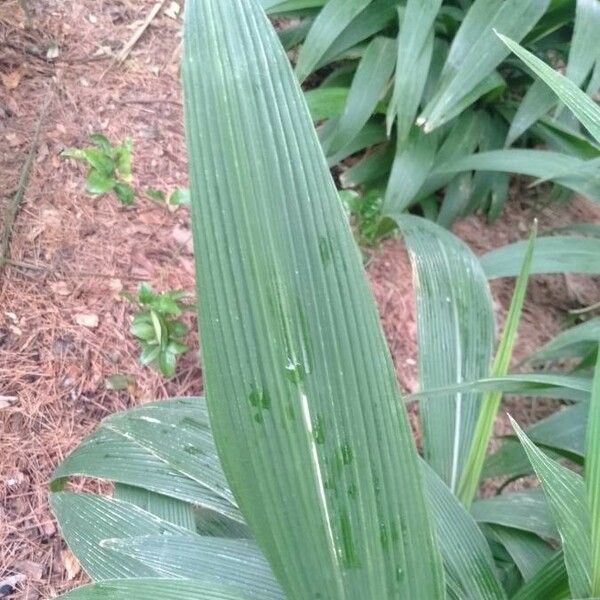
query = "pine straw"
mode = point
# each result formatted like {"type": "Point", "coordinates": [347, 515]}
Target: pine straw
{"type": "Point", "coordinates": [86, 250]}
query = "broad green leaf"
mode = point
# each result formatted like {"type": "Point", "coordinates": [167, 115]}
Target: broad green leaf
{"type": "Point", "coordinates": [372, 168]}
{"type": "Point", "coordinates": [529, 552]}
{"type": "Point", "coordinates": [412, 164]}
{"type": "Point", "coordinates": [166, 448]}
{"type": "Point", "coordinates": [331, 22]}
{"type": "Point", "coordinates": [592, 476]}
{"type": "Point", "coordinates": [525, 510]}
{"type": "Point", "coordinates": [125, 193]}
{"type": "Point", "coordinates": [101, 161]}
{"type": "Point", "coordinates": [165, 589]}
{"type": "Point", "coordinates": [566, 494]}
{"type": "Point", "coordinates": [582, 106]}
{"type": "Point", "coordinates": [414, 53]}
{"type": "Point", "coordinates": [562, 139]}
{"type": "Point", "coordinates": [239, 563]}
{"type": "Point", "coordinates": [577, 341]}
{"type": "Point", "coordinates": [550, 582]}
{"type": "Point", "coordinates": [475, 53]}
{"type": "Point", "coordinates": [455, 333]}
{"type": "Point", "coordinates": [490, 402]}
{"type": "Point", "coordinates": [97, 183]}
{"type": "Point", "coordinates": [557, 254]}
{"type": "Point", "coordinates": [304, 404]}
{"type": "Point", "coordinates": [371, 134]}
{"type": "Point", "coordinates": [467, 559]}
{"type": "Point", "coordinates": [166, 508]}
{"type": "Point", "coordinates": [369, 85]}
{"type": "Point", "coordinates": [86, 520]}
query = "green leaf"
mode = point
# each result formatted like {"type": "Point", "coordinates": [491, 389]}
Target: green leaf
{"type": "Point", "coordinates": [557, 254]}
{"type": "Point", "coordinates": [86, 520]}
{"type": "Point", "coordinates": [467, 559]}
{"type": "Point", "coordinates": [550, 582]}
{"type": "Point", "coordinates": [566, 494]}
{"type": "Point", "coordinates": [582, 106]}
{"type": "Point", "coordinates": [180, 197]}
{"type": "Point", "coordinates": [239, 563]}
{"type": "Point", "coordinates": [100, 140]}
{"type": "Point", "coordinates": [455, 329]}
{"type": "Point", "coordinates": [125, 193]}
{"type": "Point", "coordinates": [331, 22]}
{"type": "Point", "coordinates": [412, 164]}
{"type": "Point", "coordinates": [538, 100]}
{"type": "Point", "coordinates": [74, 153]}
{"type": "Point", "coordinates": [577, 341]}
{"type": "Point", "coordinates": [155, 194]}
{"type": "Point", "coordinates": [415, 48]}
{"type": "Point", "coordinates": [526, 510]}
{"type": "Point", "coordinates": [101, 161]}
{"type": "Point", "coordinates": [528, 551]}
{"type": "Point", "coordinates": [165, 589]}
{"type": "Point", "coordinates": [326, 102]}
{"type": "Point", "coordinates": [124, 157]}
{"type": "Point", "coordinates": [96, 183]}
{"type": "Point", "coordinates": [592, 477]}
{"type": "Point", "coordinates": [475, 52]}
{"type": "Point", "coordinates": [143, 330]}
{"type": "Point", "coordinates": [297, 373]}
{"type": "Point", "coordinates": [165, 447]}
{"type": "Point", "coordinates": [369, 84]}
{"type": "Point", "coordinates": [490, 402]}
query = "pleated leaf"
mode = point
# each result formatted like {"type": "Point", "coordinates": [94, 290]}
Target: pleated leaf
{"type": "Point", "coordinates": [525, 510]}
{"type": "Point", "coordinates": [592, 476]}
{"type": "Point", "coordinates": [238, 563]}
{"type": "Point", "coordinates": [165, 589]}
{"type": "Point", "coordinates": [566, 495]}
{"type": "Point", "coordinates": [87, 520]}
{"type": "Point", "coordinates": [331, 22]}
{"type": "Point", "coordinates": [557, 254]}
{"type": "Point", "coordinates": [582, 106]}
{"type": "Point", "coordinates": [304, 405]}
{"type": "Point", "coordinates": [455, 333]}
{"type": "Point", "coordinates": [467, 558]}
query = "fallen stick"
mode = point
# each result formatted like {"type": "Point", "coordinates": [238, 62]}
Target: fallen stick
{"type": "Point", "coordinates": [129, 46]}
{"type": "Point", "coordinates": [14, 204]}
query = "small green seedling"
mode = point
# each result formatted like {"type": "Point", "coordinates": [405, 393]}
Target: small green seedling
{"type": "Point", "coordinates": [109, 167]}
{"type": "Point", "coordinates": [370, 227]}
{"type": "Point", "coordinates": [157, 327]}
{"type": "Point", "coordinates": [178, 197]}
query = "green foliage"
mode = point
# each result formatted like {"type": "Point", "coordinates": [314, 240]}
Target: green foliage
{"type": "Point", "coordinates": [178, 197]}
{"type": "Point", "coordinates": [298, 477]}
{"type": "Point", "coordinates": [460, 112]}
{"type": "Point", "coordinates": [157, 327]}
{"type": "Point", "coordinates": [109, 167]}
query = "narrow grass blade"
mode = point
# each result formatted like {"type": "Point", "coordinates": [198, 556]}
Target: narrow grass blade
{"type": "Point", "coordinates": [475, 53]}
{"type": "Point", "coordinates": [592, 477]}
{"type": "Point", "coordinates": [165, 589]}
{"type": "Point", "coordinates": [556, 254]}
{"type": "Point", "coordinates": [550, 582]}
{"type": "Point", "coordinates": [585, 39]}
{"type": "Point", "coordinates": [491, 401]}
{"type": "Point", "coordinates": [537, 102]}
{"type": "Point", "coordinates": [415, 47]}
{"type": "Point", "coordinates": [301, 390]}
{"type": "Point", "coordinates": [577, 341]}
{"type": "Point", "coordinates": [566, 495]}
{"type": "Point", "coordinates": [455, 330]}
{"type": "Point", "coordinates": [368, 86]}
{"type": "Point", "coordinates": [582, 106]}
{"type": "Point", "coordinates": [326, 102]}
{"type": "Point", "coordinates": [525, 510]}
{"type": "Point", "coordinates": [467, 558]}
{"type": "Point", "coordinates": [331, 22]}
{"type": "Point", "coordinates": [239, 563]}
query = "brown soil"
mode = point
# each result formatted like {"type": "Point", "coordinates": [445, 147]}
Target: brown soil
{"type": "Point", "coordinates": [72, 255]}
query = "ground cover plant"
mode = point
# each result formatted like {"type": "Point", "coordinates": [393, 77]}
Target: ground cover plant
{"type": "Point", "coordinates": [443, 110]}
{"type": "Point", "coordinates": [298, 476]}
